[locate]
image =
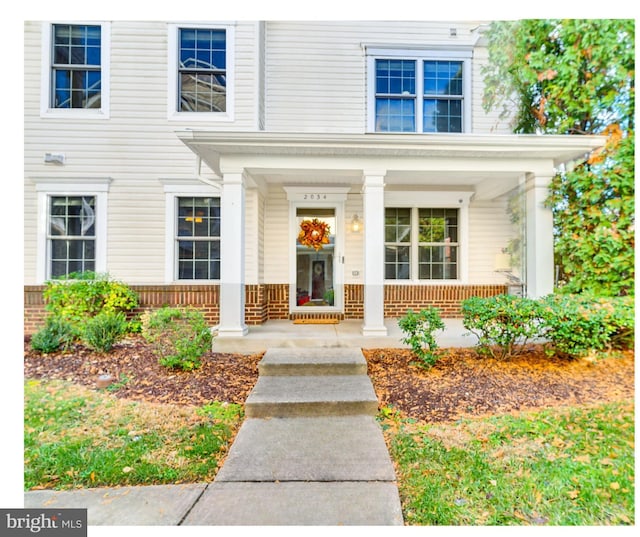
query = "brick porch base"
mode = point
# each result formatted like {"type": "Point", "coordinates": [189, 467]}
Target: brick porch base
{"type": "Point", "coordinates": [271, 301]}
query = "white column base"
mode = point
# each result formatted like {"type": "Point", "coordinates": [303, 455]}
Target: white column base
{"type": "Point", "coordinates": [232, 332]}
{"type": "Point", "coordinates": [373, 331]}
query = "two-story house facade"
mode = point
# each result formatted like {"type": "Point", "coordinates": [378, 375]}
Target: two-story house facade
{"type": "Point", "coordinates": [280, 170]}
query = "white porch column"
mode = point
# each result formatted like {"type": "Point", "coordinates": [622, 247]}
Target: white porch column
{"type": "Point", "coordinates": [539, 240]}
{"type": "Point", "coordinates": [232, 233]}
{"type": "Point", "coordinates": [373, 199]}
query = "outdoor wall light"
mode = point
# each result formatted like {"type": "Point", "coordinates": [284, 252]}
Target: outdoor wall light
{"type": "Point", "coordinates": [356, 224]}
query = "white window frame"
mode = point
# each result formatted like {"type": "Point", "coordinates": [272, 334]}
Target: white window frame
{"type": "Point", "coordinates": [172, 192]}
{"type": "Point", "coordinates": [173, 114]}
{"type": "Point", "coordinates": [419, 56]}
{"type": "Point", "coordinates": [416, 200]}
{"type": "Point", "coordinates": [47, 188]}
{"type": "Point", "coordinates": [46, 110]}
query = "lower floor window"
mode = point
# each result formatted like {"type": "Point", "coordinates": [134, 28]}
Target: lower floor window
{"type": "Point", "coordinates": [71, 235]}
{"type": "Point", "coordinates": [198, 238]}
{"type": "Point", "coordinates": [421, 243]}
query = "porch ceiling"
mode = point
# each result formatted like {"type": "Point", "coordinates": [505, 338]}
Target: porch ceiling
{"type": "Point", "coordinates": [491, 164]}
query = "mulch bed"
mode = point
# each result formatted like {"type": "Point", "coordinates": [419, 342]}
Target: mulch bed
{"type": "Point", "coordinates": [460, 384]}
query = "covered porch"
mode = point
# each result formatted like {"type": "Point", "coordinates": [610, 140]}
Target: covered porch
{"type": "Point", "coordinates": [268, 182]}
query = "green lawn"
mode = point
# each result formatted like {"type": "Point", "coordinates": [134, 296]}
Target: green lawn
{"type": "Point", "coordinates": [75, 437]}
{"type": "Point", "coordinates": [570, 466]}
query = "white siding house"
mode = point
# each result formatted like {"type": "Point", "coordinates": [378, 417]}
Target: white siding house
{"type": "Point", "coordinates": [187, 158]}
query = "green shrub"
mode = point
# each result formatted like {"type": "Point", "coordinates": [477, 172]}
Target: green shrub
{"type": "Point", "coordinates": [103, 330]}
{"type": "Point", "coordinates": [578, 325]}
{"type": "Point", "coordinates": [179, 336]}
{"type": "Point", "coordinates": [503, 324]}
{"type": "Point", "coordinates": [419, 331]}
{"type": "Point", "coordinates": [83, 295]}
{"type": "Point", "coordinates": [57, 334]}
{"type": "Point", "coordinates": [620, 319]}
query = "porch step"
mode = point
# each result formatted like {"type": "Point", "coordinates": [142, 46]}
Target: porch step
{"type": "Point", "coordinates": [310, 395]}
{"type": "Point", "coordinates": [301, 362]}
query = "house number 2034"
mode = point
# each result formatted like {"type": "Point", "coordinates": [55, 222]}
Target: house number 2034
{"type": "Point", "coordinates": [315, 197]}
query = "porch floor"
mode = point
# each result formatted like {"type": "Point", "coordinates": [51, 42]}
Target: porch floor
{"type": "Point", "coordinates": [346, 333]}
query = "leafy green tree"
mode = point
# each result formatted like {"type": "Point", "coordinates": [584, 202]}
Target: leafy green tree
{"type": "Point", "coordinates": [576, 77]}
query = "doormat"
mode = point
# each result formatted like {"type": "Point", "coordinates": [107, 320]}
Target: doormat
{"type": "Point", "coordinates": [315, 321]}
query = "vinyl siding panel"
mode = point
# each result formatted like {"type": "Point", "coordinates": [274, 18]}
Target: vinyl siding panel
{"type": "Point", "coordinates": [490, 230]}
{"type": "Point", "coordinates": [252, 237]}
{"type": "Point", "coordinates": [276, 237]}
{"type": "Point", "coordinates": [485, 122]}
{"type": "Point", "coordinates": [135, 147]}
{"type": "Point", "coordinates": [354, 242]}
{"type": "Point", "coordinates": [316, 71]}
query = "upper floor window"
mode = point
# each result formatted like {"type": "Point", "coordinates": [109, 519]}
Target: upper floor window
{"type": "Point", "coordinates": [419, 92]}
{"type": "Point", "coordinates": [203, 70]}
{"type": "Point", "coordinates": [76, 66]}
{"type": "Point", "coordinates": [75, 70]}
{"type": "Point", "coordinates": [200, 72]}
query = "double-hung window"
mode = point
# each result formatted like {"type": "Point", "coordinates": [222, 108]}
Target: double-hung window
{"type": "Point", "coordinates": [197, 239]}
{"type": "Point", "coordinates": [75, 70]}
{"type": "Point", "coordinates": [419, 91]}
{"type": "Point", "coordinates": [422, 244]}
{"type": "Point", "coordinates": [201, 72]}
{"type": "Point", "coordinates": [71, 234]}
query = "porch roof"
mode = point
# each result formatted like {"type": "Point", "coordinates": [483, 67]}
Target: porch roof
{"type": "Point", "coordinates": [491, 163]}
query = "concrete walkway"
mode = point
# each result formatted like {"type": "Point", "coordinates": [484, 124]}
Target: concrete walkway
{"type": "Point", "coordinates": [309, 452]}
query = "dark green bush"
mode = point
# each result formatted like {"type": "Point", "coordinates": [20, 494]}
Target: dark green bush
{"type": "Point", "coordinates": [578, 325]}
{"type": "Point", "coordinates": [179, 336]}
{"type": "Point", "coordinates": [419, 329]}
{"type": "Point", "coordinates": [57, 334]}
{"type": "Point", "coordinates": [503, 324]}
{"type": "Point", "coordinates": [103, 330]}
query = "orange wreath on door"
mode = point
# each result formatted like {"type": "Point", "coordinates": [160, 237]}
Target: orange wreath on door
{"type": "Point", "coordinates": [314, 234]}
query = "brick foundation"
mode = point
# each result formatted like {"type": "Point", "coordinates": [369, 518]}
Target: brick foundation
{"type": "Point", "coordinates": [271, 301]}
{"type": "Point", "coordinates": [447, 298]}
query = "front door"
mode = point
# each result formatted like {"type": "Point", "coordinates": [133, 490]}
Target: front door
{"type": "Point", "coordinates": [316, 259]}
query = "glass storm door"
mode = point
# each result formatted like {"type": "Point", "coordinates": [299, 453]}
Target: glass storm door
{"type": "Point", "coordinates": [315, 258]}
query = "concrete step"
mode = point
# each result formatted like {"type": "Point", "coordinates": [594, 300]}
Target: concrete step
{"type": "Point", "coordinates": [303, 396]}
{"type": "Point", "coordinates": [335, 448]}
{"type": "Point", "coordinates": [298, 362]}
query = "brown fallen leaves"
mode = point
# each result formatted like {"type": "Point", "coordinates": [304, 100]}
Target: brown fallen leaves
{"type": "Point", "coordinates": [464, 384]}
{"type": "Point", "coordinates": [138, 376]}
{"type": "Point", "coordinates": [460, 384]}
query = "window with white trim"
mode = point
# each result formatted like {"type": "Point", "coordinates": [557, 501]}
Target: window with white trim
{"type": "Point", "coordinates": [72, 226]}
{"type": "Point", "coordinates": [422, 243]}
{"type": "Point", "coordinates": [75, 69]}
{"type": "Point", "coordinates": [71, 235]}
{"type": "Point", "coordinates": [201, 72]}
{"type": "Point", "coordinates": [197, 238]}
{"type": "Point", "coordinates": [76, 66]}
{"type": "Point", "coordinates": [419, 91]}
